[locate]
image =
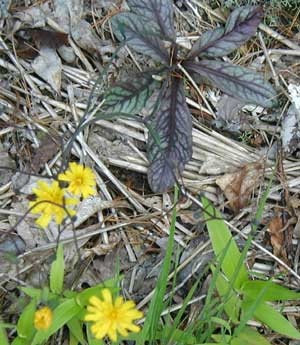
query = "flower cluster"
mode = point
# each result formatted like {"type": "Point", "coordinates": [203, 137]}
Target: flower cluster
{"type": "Point", "coordinates": [43, 318]}
{"type": "Point", "coordinates": [52, 201]}
{"type": "Point", "coordinates": [111, 317]}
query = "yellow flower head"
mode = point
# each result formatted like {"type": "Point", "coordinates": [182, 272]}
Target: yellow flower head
{"type": "Point", "coordinates": [43, 318]}
{"type": "Point", "coordinates": [110, 316]}
{"type": "Point", "coordinates": [81, 180]}
{"type": "Point", "coordinates": [47, 200]}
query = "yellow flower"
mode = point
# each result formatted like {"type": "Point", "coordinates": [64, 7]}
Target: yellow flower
{"type": "Point", "coordinates": [81, 180]}
{"type": "Point", "coordinates": [47, 200]}
{"type": "Point", "coordinates": [43, 318]}
{"type": "Point", "coordinates": [110, 316]}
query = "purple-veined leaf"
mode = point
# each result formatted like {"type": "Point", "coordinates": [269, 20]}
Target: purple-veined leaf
{"type": "Point", "coordinates": [141, 37]}
{"type": "Point", "coordinates": [170, 143]}
{"type": "Point", "coordinates": [159, 12]}
{"type": "Point", "coordinates": [131, 94]}
{"type": "Point", "coordinates": [237, 81]}
{"type": "Point", "coordinates": [240, 27]}
{"type": "Point", "coordinates": [245, 18]}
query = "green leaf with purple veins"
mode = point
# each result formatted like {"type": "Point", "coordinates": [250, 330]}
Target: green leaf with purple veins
{"type": "Point", "coordinates": [131, 94]}
{"type": "Point", "coordinates": [139, 36]}
{"type": "Point", "coordinates": [240, 27]}
{"type": "Point", "coordinates": [159, 12]}
{"type": "Point", "coordinates": [237, 81]}
{"type": "Point", "coordinates": [171, 148]}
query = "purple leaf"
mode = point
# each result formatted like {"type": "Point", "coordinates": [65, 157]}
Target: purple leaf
{"type": "Point", "coordinates": [160, 12]}
{"type": "Point", "coordinates": [170, 144]}
{"type": "Point", "coordinates": [237, 81]}
{"type": "Point", "coordinates": [141, 37]}
{"type": "Point", "coordinates": [240, 27]}
{"type": "Point", "coordinates": [131, 94]}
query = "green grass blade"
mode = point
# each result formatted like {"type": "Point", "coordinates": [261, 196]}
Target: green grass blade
{"type": "Point", "coordinates": [179, 317]}
{"type": "Point", "coordinates": [156, 307]}
{"type": "Point", "coordinates": [213, 308]}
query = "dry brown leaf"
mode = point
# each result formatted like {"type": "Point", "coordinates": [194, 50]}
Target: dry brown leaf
{"type": "Point", "coordinates": [25, 50]}
{"type": "Point", "coordinates": [84, 35]}
{"type": "Point", "coordinates": [228, 111]}
{"type": "Point", "coordinates": [290, 130]}
{"type": "Point", "coordinates": [48, 66]}
{"type": "Point", "coordinates": [190, 217]}
{"type": "Point", "coordinates": [295, 202]}
{"type": "Point", "coordinates": [48, 148]}
{"type": "Point", "coordinates": [239, 186]}
{"type": "Point", "coordinates": [50, 39]}
{"type": "Point", "coordinates": [277, 238]}
{"type": "Point", "coordinates": [34, 16]}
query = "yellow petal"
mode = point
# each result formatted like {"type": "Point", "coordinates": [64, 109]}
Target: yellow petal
{"type": "Point", "coordinates": [93, 317]}
{"type": "Point", "coordinates": [133, 314]}
{"type": "Point", "coordinates": [43, 220]}
{"type": "Point", "coordinates": [107, 297]}
{"type": "Point", "coordinates": [133, 328]}
{"type": "Point", "coordinates": [127, 305]}
{"type": "Point", "coordinates": [122, 330]}
{"type": "Point", "coordinates": [60, 215]}
{"type": "Point", "coordinates": [95, 301]}
{"type": "Point", "coordinates": [112, 333]}
{"type": "Point", "coordinates": [88, 191]}
{"type": "Point", "coordinates": [63, 177]}
{"type": "Point", "coordinates": [94, 310]}
{"type": "Point", "coordinates": [119, 302]}
{"type": "Point", "coordinates": [99, 330]}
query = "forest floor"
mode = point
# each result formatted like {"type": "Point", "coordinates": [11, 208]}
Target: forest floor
{"type": "Point", "coordinates": [237, 149]}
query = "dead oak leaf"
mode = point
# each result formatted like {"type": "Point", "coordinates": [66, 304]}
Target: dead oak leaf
{"type": "Point", "coordinates": [84, 35]}
{"type": "Point", "coordinates": [48, 148]}
{"type": "Point", "coordinates": [48, 66]}
{"type": "Point", "coordinates": [50, 39]}
{"type": "Point", "coordinates": [277, 238]}
{"type": "Point", "coordinates": [239, 186]}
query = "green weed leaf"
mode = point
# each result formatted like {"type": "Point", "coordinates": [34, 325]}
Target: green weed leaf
{"type": "Point", "coordinates": [272, 318]}
{"type": "Point", "coordinates": [20, 341]}
{"type": "Point", "coordinates": [3, 336]}
{"type": "Point", "coordinates": [75, 328]}
{"type": "Point", "coordinates": [273, 292]}
{"type": "Point", "coordinates": [249, 336]}
{"type": "Point", "coordinates": [32, 292]}
{"type": "Point", "coordinates": [221, 239]}
{"type": "Point", "coordinates": [230, 300]}
{"type": "Point", "coordinates": [57, 271]}
{"type": "Point", "coordinates": [25, 323]}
